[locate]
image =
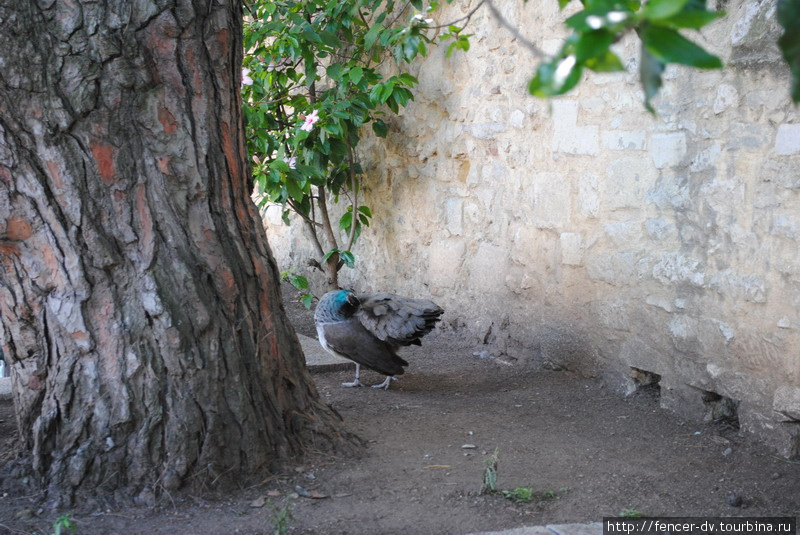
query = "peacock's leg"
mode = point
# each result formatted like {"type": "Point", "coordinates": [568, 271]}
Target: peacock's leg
{"type": "Point", "coordinates": [356, 382]}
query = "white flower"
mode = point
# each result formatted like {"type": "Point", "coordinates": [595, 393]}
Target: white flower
{"type": "Point", "coordinates": [291, 161]}
{"type": "Point", "coordinates": [308, 122]}
{"type": "Point", "coordinates": [246, 80]}
{"type": "Point", "coordinates": [419, 17]}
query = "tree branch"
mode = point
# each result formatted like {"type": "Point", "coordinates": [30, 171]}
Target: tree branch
{"type": "Point", "coordinates": [326, 220]}
{"type": "Point", "coordinates": [354, 205]}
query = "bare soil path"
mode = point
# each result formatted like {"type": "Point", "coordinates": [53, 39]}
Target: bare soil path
{"type": "Point", "coordinates": [584, 451]}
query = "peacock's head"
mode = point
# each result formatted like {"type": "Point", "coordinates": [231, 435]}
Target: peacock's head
{"type": "Point", "coordinates": [346, 302]}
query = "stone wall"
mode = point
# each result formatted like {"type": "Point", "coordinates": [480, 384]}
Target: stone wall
{"type": "Point", "coordinates": [585, 233]}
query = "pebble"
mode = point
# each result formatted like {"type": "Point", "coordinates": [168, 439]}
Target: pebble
{"type": "Point", "coordinates": [734, 500]}
{"type": "Point", "coordinates": [727, 451]}
{"type": "Point", "coordinates": [469, 447]}
{"type": "Point", "coordinates": [24, 514]}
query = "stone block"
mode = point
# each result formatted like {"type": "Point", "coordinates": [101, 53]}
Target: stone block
{"type": "Point", "coordinates": [445, 258]}
{"type": "Point", "coordinates": [453, 215]}
{"type": "Point", "coordinates": [533, 247]}
{"type": "Point", "coordinates": [681, 399]}
{"type": "Point", "coordinates": [623, 139]}
{"type": "Point", "coordinates": [787, 140]}
{"type": "Point", "coordinates": [668, 150]}
{"type": "Point", "coordinates": [755, 25]}
{"type": "Point", "coordinates": [748, 136]}
{"type": "Point", "coordinates": [727, 97]}
{"type": "Point", "coordinates": [614, 268]}
{"type": "Point", "coordinates": [486, 130]}
{"type": "Point", "coordinates": [706, 159]}
{"type": "Point", "coordinates": [551, 200]}
{"type": "Point", "coordinates": [487, 269]}
{"type": "Point", "coordinates": [572, 248]}
{"type": "Point", "coordinates": [624, 233]}
{"type": "Point", "coordinates": [786, 403]}
{"type": "Point", "coordinates": [660, 229]}
{"type": "Point", "coordinates": [588, 195]}
{"type": "Point", "coordinates": [517, 119]}
{"type": "Point", "coordinates": [626, 183]}
{"type": "Point", "coordinates": [671, 268]}
{"type": "Point", "coordinates": [568, 137]}
{"type": "Point", "coordinates": [781, 436]}
{"type": "Point", "coordinates": [636, 353]}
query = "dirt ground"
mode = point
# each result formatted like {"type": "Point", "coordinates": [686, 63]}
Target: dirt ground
{"type": "Point", "coordinates": [585, 452]}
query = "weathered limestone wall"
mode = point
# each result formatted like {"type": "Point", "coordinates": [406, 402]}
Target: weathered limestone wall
{"type": "Point", "coordinates": [586, 233]}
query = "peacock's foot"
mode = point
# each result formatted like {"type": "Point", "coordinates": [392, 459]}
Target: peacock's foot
{"type": "Point", "coordinates": [385, 384]}
{"type": "Point", "coordinates": [353, 384]}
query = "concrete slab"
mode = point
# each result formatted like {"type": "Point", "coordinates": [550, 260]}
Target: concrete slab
{"type": "Point", "coordinates": [319, 360]}
{"type": "Point", "coordinates": [592, 528]}
{"type": "Point", "coordinates": [5, 387]}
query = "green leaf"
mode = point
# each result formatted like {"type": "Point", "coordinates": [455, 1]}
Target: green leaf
{"type": "Point", "coordinates": [309, 34]}
{"type": "Point", "coordinates": [329, 254]}
{"type": "Point", "coordinates": [335, 71]}
{"type": "Point", "coordinates": [407, 79]}
{"type": "Point", "coordinates": [330, 39]}
{"type": "Point", "coordinates": [669, 46]}
{"type": "Point", "coordinates": [380, 128]}
{"type": "Point", "coordinates": [401, 95]}
{"type": "Point", "coordinates": [662, 9]}
{"type": "Point", "coordinates": [556, 77]}
{"type": "Point", "coordinates": [694, 19]}
{"type": "Point", "coordinates": [650, 70]}
{"type": "Point", "coordinates": [348, 258]}
{"type": "Point", "coordinates": [788, 16]}
{"type": "Point", "coordinates": [597, 19]}
{"type": "Point", "coordinates": [593, 44]}
{"type": "Point", "coordinates": [298, 281]}
{"type": "Point", "coordinates": [365, 210]}
{"type": "Point", "coordinates": [294, 189]}
{"type": "Point", "coordinates": [279, 165]}
{"type": "Point", "coordinates": [610, 62]}
{"type": "Point", "coordinates": [307, 300]}
{"type": "Point", "coordinates": [345, 221]}
{"type": "Point", "coordinates": [372, 35]}
{"type": "Point", "coordinates": [356, 74]}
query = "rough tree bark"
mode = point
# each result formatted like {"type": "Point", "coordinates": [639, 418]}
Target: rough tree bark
{"type": "Point", "coordinates": [139, 300]}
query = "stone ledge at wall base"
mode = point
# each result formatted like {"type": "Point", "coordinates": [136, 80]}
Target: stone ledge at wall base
{"type": "Point", "coordinates": [776, 427]}
{"type": "Point", "coordinates": [319, 360]}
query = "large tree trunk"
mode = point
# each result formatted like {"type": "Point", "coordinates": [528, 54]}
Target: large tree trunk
{"type": "Point", "coordinates": [139, 300]}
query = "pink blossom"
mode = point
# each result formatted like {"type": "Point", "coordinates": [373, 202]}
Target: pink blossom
{"type": "Point", "coordinates": [309, 121]}
{"type": "Point", "coordinates": [246, 80]}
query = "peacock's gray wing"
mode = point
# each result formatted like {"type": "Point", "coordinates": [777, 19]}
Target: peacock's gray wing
{"type": "Point", "coordinates": [400, 321]}
{"type": "Point", "coordinates": [351, 340]}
